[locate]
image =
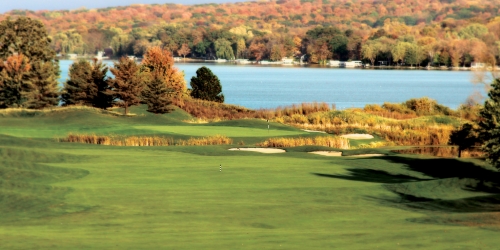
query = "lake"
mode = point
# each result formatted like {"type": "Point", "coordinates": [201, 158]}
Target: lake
{"type": "Point", "coordinates": [256, 86]}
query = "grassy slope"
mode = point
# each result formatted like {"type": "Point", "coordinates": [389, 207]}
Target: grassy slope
{"type": "Point", "coordinates": [73, 196]}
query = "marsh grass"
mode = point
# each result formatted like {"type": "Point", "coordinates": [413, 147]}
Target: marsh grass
{"type": "Point", "coordinates": [213, 111]}
{"type": "Point", "coordinates": [327, 141]}
{"type": "Point", "coordinates": [145, 141]}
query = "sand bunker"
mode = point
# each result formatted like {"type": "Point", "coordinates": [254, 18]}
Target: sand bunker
{"type": "Point", "coordinates": [357, 136]}
{"type": "Point", "coordinates": [313, 131]}
{"type": "Point", "coordinates": [327, 153]}
{"type": "Point", "coordinates": [260, 150]}
{"type": "Point", "coordinates": [336, 153]}
{"type": "Point", "coordinates": [366, 155]}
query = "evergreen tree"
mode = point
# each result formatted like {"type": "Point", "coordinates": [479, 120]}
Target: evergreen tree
{"type": "Point", "coordinates": [15, 83]}
{"type": "Point", "coordinates": [79, 89]}
{"type": "Point", "coordinates": [205, 85]}
{"type": "Point", "coordinates": [127, 84]}
{"type": "Point", "coordinates": [45, 92]}
{"type": "Point", "coordinates": [29, 38]}
{"type": "Point", "coordinates": [489, 124]}
{"type": "Point", "coordinates": [88, 85]}
{"type": "Point", "coordinates": [157, 95]}
{"type": "Point", "coordinates": [104, 97]}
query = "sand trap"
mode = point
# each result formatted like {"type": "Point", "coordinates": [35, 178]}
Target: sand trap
{"type": "Point", "coordinates": [313, 131]}
{"type": "Point", "coordinates": [327, 153]}
{"type": "Point", "coordinates": [260, 150]}
{"type": "Point", "coordinates": [336, 153]}
{"type": "Point", "coordinates": [357, 136]}
{"type": "Point", "coordinates": [366, 155]}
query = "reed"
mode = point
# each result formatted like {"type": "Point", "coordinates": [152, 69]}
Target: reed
{"type": "Point", "coordinates": [145, 141]}
{"type": "Point", "coordinates": [327, 141]}
{"type": "Point", "coordinates": [207, 110]}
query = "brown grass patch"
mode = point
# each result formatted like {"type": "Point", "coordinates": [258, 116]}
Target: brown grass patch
{"type": "Point", "coordinates": [145, 141]}
{"type": "Point", "coordinates": [327, 141]}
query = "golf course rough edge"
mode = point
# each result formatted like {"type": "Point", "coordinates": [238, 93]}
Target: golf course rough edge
{"type": "Point", "coordinates": [260, 150]}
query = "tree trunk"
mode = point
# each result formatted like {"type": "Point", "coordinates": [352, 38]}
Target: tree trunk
{"type": "Point", "coordinates": [126, 109]}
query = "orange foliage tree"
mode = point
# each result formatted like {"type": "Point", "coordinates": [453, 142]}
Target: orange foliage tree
{"type": "Point", "coordinates": [159, 63]}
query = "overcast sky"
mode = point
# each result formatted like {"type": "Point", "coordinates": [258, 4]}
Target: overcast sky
{"type": "Point", "coordinates": [7, 5]}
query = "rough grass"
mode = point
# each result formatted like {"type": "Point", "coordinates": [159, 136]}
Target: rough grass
{"type": "Point", "coordinates": [327, 141]}
{"type": "Point", "coordinates": [145, 141]}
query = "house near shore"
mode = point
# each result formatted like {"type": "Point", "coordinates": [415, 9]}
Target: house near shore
{"type": "Point", "coordinates": [334, 63]}
{"type": "Point", "coordinates": [351, 64]}
{"type": "Point", "coordinates": [287, 61]}
{"type": "Point", "coordinates": [477, 65]}
{"type": "Point", "coordinates": [72, 56]}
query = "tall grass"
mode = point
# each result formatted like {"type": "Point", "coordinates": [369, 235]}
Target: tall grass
{"type": "Point", "coordinates": [144, 141]}
{"type": "Point", "coordinates": [207, 110]}
{"type": "Point", "coordinates": [327, 141]}
{"type": "Point", "coordinates": [417, 131]}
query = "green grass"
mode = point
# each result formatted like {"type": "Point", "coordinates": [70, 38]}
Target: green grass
{"type": "Point", "coordinates": [77, 196]}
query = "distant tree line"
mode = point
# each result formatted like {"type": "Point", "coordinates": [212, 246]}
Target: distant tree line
{"type": "Point", "coordinates": [29, 74]}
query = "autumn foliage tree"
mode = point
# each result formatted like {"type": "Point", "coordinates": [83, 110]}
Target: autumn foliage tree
{"type": "Point", "coordinates": [15, 82]}
{"type": "Point", "coordinates": [160, 64]}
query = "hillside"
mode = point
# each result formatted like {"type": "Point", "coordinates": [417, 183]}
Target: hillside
{"type": "Point", "coordinates": [62, 195]}
{"type": "Point", "coordinates": [270, 30]}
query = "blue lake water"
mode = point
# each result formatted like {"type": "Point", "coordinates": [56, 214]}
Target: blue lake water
{"type": "Point", "coordinates": [256, 87]}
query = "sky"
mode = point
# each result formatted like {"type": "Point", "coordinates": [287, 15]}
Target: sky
{"type": "Point", "coordinates": [7, 5]}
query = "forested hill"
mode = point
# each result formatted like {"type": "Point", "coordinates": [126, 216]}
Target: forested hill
{"type": "Point", "coordinates": [273, 29]}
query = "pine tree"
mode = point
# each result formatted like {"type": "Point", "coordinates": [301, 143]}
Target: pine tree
{"type": "Point", "coordinates": [78, 89]}
{"type": "Point", "coordinates": [104, 98]}
{"type": "Point", "coordinates": [205, 85]}
{"type": "Point", "coordinates": [157, 95]}
{"type": "Point", "coordinates": [29, 38]}
{"type": "Point", "coordinates": [489, 124]}
{"type": "Point", "coordinates": [88, 85]}
{"type": "Point", "coordinates": [45, 91]}
{"type": "Point", "coordinates": [127, 84]}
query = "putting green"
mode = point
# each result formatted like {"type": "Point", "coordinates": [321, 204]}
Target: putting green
{"type": "Point", "coordinates": [220, 130]}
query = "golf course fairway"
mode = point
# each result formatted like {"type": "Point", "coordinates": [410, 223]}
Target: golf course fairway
{"type": "Point", "coordinates": [56, 195]}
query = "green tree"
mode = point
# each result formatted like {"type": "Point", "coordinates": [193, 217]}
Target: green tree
{"type": "Point", "coordinates": [103, 99]}
{"type": "Point", "coordinates": [157, 95]}
{"type": "Point", "coordinates": [29, 38]}
{"type": "Point", "coordinates": [241, 48]}
{"type": "Point", "coordinates": [489, 124]}
{"type": "Point", "coordinates": [205, 85]}
{"type": "Point", "coordinates": [88, 85]}
{"type": "Point", "coordinates": [370, 50]}
{"type": "Point", "coordinates": [79, 89]}
{"type": "Point", "coordinates": [127, 84]}
{"type": "Point", "coordinates": [45, 90]}
{"type": "Point", "coordinates": [223, 49]}
{"type": "Point", "coordinates": [464, 137]}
